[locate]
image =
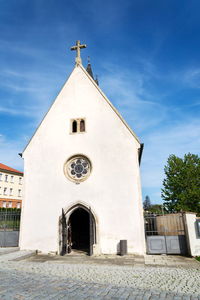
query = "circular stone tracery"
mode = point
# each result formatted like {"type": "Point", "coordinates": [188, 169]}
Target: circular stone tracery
{"type": "Point", "coordinates": [77, 168]}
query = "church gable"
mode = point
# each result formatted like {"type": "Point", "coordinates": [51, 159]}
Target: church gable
{"type": "Point", "coordinates": [109, 103]}
{"type": "Point", "coordinates": [80, 99]}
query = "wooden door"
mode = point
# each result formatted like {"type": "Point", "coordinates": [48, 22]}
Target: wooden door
{"type": "Point", "coordinates": [64, 234]}
{"type": "Point", "coordinates": [91, 232]}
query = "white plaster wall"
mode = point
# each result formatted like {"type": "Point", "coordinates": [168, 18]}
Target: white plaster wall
{"type": "Point", "coordinates": [192, 235]}
{"type": "Point", "coordinates": [112, 190]}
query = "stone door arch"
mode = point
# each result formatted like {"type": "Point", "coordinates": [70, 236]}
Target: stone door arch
{"type": "Point", "coordinates": [78, 230]}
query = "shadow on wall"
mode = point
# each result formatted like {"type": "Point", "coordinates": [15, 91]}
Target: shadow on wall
{"type": "Point", "coordinates": [122, 247]}
{"type": "Point", "coordinates": [118, 248]}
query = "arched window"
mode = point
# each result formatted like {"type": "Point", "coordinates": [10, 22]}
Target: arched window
{"type": "Point", "coordinates": [82, 126]}
{"type": "Point", "coordinates": [74, 126]}
{"type": "Point", "coordinates": [77, 125]}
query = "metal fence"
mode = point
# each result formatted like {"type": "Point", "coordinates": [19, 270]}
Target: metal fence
{"type": "Point", "coordinates": [168, 224]}
{"type": "Point", "coordinates": [165, 233]}
{"type": "Point", "coordinates": [9, 227]}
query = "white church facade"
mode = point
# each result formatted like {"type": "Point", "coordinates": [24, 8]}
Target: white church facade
{"type": "Point", "coordinates": [82, 187]}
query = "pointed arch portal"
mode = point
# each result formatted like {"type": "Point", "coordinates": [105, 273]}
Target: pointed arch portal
{"type": "Point", "coordinates": [78, 230]}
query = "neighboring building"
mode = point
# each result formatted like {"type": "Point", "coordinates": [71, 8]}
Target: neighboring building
{"type": "Point", "coordinates": [82, 177]}
{"type": "Point", "coordinates": [11, 187]}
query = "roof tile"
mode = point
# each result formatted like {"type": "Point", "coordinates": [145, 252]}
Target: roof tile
{"type": "Point", "coordinates": [7, 168]}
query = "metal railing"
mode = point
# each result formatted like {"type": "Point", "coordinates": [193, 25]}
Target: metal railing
{"type": "Point", "coordinates": [10, 220]}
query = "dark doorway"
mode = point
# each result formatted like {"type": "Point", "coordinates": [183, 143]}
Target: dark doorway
{"type": "Point", "coordinates": [79, 230]}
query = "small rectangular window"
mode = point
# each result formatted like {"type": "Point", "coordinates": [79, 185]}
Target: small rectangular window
{"type": "Point", "coordinates": [11, 178]}
{"type": "Point", "coordinates": [6, 178]}
{"type": "Point", "coordinates": [0, 190]}
{"type": "Point", "coordinates": [1, 176]}
{"type": "Point", "coordinates": [5, 191]}
{"type": "Point", "coordinates": [20, 180]}
{"type": "Point", "coordinates": [18, 205]}
{"type": "Point", "coordinates": [10, 204]}
{"type": "Point", "coordinates": [74, 126]}
{"type": "Point", "coordinates": [11, 191]}
{"type": "Point", "coordinates": [19, 193]}
{"type": "Point", "coordinates": [4, 204]}
{"type": "Point", "coordinates": [77, 125]}
{"type": "Point", "coordinates": [82, 126]}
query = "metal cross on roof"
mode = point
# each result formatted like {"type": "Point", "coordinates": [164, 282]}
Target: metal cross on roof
{"type": "Point", "coordinates": [78, 52]}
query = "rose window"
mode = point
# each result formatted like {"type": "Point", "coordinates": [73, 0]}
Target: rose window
{"type": "Point", "coordinates": [78, 168]}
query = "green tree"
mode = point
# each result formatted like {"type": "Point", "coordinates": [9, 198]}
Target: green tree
{"type": "Point", "coordinates": [181, 186]}
{"type": "Point", "coordinates": [147, 203]}
{"type": "Point", "coordinates": [157, 209]}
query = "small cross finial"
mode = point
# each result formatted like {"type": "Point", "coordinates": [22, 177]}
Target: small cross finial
{"type": "Point", "coordinates": [78, 52]}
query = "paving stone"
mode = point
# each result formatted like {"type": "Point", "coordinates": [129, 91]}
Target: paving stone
{"type": "Point", "coordinates": [26, 279]}
{"type": "Point", "coordinates": [146, 297]}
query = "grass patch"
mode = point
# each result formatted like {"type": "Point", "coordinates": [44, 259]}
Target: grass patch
{"type": "Point", "coordinates": [9, 224]}
{"type": "Point", "coordinates": [197, 258]}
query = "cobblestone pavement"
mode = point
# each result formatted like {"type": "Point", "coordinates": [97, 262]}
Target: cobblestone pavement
{"type": "Point", "coordinates": [59, 279]}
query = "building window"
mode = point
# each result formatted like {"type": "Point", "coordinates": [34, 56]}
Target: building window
{"type": "Point", "coordinates": [6, 178]}
{"type": "Point", "coordinates": [19, 193]}
{"type": "Point", "coordinates": [20, 180]}
{"type": "Point", "coordinates": [11, 191]}
{"type": "Point", "coordinates": [4, 204]}
{"type": "Point", "coordinates": [77, 125]}
{"type": "Point", "coordinates": [74, 126]}
{"type": "Point", "coordinates": [11, 178]}
{"type": "Point", "coordinates": [82, 126]}
{"type": "Point", "coordinates": [10, 204]}
{"type": "Point", "coordinates": [77, 168]}
{"type": "Point", "coordinates": [0, 190]}
{"type": "Point", "coordinates": [0, 176]}
{"type": "Point", "coordinates": [5, 191]}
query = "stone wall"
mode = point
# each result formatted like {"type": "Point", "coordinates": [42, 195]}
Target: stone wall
{"type": "Point", "coordinates": [193, 237]}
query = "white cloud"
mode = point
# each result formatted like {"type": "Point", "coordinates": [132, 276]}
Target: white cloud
{"type": "Point", "coordinates": [156, 123]}
{"type": "Point", "coordinates": [30, 93]}
{"type": "Point", "coordinates": [177, 139]}
{"type": "Point", "coordinates": [11, 111]}
{"type": "Point", "coordinates": [126, 90]}
{"type": "Point", "coordinates": [192, 77]}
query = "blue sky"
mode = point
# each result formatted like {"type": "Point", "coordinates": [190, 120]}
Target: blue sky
{"type": "Point", "coordinates": [145, 53]}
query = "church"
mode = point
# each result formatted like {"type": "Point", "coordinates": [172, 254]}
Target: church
{"type": "Point", "coordinates": [82, 189]}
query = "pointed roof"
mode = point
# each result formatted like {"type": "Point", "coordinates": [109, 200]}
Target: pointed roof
{"type": "Point", "coordinates": [9, 169]}
{"type": "Point", "coordinates": [100, 91]}
{"type": "Point", "coordinates": [96, 80]}
{"type": "Point", "coordinates": [108, 101]}
{"type": "Point", "coordinates": [89, 70]}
